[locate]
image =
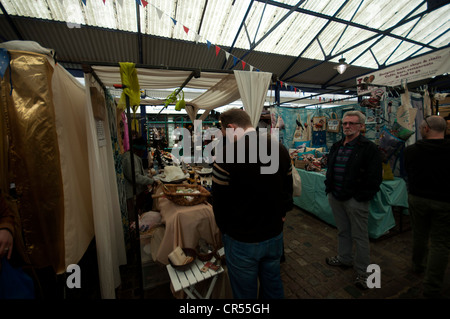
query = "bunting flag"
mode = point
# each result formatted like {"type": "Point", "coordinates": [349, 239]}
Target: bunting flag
{"type": "Point", "coordinates": [243, 65]}
{"type": "Point", "coordinates": [159, 12]}
{"type": "Point", "coordinates": [186, 29]}
{"type": "Point", "coordinates": [138, 2]}
{"type": "Point", "coordinates": [217, 50]}
{"type": "Point", "coordinates": [174, 21]}
{"type": "Point", "coordinates": [208, 44]}
{"type": "Point", "coordinates": [144, 3]}
{"type": "Point", "coordinates": [197, 37]}
{"type": "Point", "coordinates": [234, 61]}
{"type": "Point", "coordinates": [104, 1]}
{"type": "Point", "coordinates": [84, 2]}
{"type": "Point", "coordinates": [227, 55]}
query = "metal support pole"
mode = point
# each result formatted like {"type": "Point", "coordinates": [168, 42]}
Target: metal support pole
{"type": "Point", "coordinates": [137, 239]}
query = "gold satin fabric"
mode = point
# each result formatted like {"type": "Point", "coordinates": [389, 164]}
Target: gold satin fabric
{"type": "Point", "coordinates": [34, 157]}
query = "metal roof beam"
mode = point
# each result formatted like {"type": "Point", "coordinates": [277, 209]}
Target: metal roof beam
{"type": "Point", "coordinates": [390, 55]}
{"type": "Point", "coordinates": [239, 31]}
{"type": "Point", "coordinates": [353, 24]}
{"type": "Point", "coordinates": [345, 29]}
{"type": "Point", "coordinates": [403, 21]}
{"type": "Point", "coordinates": [139, 34]}
{"type": "Point", "coordinates": [292, 9]}
{"type": "Point", "coordinates": [312, 41]}
{"type": "Point", "coordinates": [382, 37]}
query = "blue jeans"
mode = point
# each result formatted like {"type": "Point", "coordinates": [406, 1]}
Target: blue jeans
{"type": "Point", "coordinates": [248, 262]}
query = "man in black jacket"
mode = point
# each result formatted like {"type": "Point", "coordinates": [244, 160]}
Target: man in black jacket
{"type": "Point", "coordinates": [251, 195]}
{"type": "Point", "coordinates": [353, 178]}
{"type": "Point", "coordinates": [426, 164]}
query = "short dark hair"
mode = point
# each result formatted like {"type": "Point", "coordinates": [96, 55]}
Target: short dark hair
{"type": "Point", "coordinates": [139, 143]}
{"type": "Point", "coordinates": [235, 116]}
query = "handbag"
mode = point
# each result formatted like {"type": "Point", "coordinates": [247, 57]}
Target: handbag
{"type": "Point", "coordinates": [14, 282]}
{"type": "Point", "coordinates": [319, 123]}
{"type": "Point", "coordinates": [406, 114]}
{"type": "Point", "coordinates": [333, 124]}
{"type": "Point", "coordinates": [300, 133]}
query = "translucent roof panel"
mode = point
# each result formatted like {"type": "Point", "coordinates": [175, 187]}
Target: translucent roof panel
{"type": "Point", "coordinates": [313, 29]}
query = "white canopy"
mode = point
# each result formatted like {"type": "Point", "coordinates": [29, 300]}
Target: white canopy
{"type": "Point", "coordinates": [220, 88]}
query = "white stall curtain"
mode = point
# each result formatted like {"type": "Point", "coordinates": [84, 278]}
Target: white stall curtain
{"type": "Point", "coordinates": [105, 200]}
{"type": "Point", "coordinates": [253, 88]}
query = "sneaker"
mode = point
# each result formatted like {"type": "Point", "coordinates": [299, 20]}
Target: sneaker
{"type": "Point", "coordinates": [361, 282]}
{"type": "Point", "coordinates": [334, 261]}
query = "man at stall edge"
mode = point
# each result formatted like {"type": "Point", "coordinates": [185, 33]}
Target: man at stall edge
{"type": "Point", "coordinates": [429, 203]}
{"type": "Point", "coordinates": [353, 178]}
{"type": "Point", "coordinates": [250, 207]}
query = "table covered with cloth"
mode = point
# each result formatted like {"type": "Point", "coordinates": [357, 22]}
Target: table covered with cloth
{"type": "Point", "coordinates": [381, 218]}
{"type": "Point", "coordinates": [184, 226]}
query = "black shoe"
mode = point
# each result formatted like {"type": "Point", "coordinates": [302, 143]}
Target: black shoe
{"type": "Point", "coordinates": [334, 261]}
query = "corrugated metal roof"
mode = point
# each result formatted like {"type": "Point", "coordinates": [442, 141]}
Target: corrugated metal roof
{"type": "Point", "coordinates": [367, 33]}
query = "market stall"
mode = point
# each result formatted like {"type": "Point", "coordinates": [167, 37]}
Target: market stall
{"type": "Point", "coordinates": [381, 219]}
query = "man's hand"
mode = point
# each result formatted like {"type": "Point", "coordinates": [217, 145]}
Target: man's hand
{"type": "Point", "coordinates": [6, 243]}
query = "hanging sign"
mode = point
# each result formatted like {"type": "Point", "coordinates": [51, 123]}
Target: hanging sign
{"type": "Point", "coordinates": [416, 69]}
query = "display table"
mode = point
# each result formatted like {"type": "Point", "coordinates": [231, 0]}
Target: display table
{"type": "Point", "coordinates": [381, 218]}
{"type": "Point", "coordinates": [185, 225]}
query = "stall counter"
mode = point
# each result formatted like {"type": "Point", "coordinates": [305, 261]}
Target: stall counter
{"type": "Point", "coordinates": [381, 218]}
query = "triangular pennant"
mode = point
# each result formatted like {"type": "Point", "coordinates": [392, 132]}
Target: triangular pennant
{"type": "Point", "coordinates": [138, 2]}
{"type": "Point", "coordinates": [197, 37]}
{"type": "Point", "coordinates": [84, 2]}
{"type": "Point", "coordinates": [159, 12]}
{"type": "Point", "coordinates": [120, 2]}
{"type": "Point", "coordinates": [208, 44]}
{"type": "Point", "coordinates": [217, 50]}
{"type": "Point", "coordinates": [251, 68]}
{"type": "Point", "coordinates": [4, 61]}
{"type": "Point", "coordinates": [243, 65]}
{"type": "Point", "coordinates": [186, 29]}
{"type": "Point", "coordinates": [144, 3]}
{"type": "Point", "coordinates": [234, 60]}
{"type": "Point", "coordinates": [281, 83]}
{"type": "Point", "coordinates": [104, 1]}
{"type": "Point", "coordinates": [295, 89]}
{"type": "Point", "coordinates": [174, 21]}
{"type": "Point", "coordinates": [227, 55]}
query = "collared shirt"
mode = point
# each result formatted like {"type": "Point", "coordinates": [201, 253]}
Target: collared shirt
{"type": "Point", "coordinates": [342, 157]}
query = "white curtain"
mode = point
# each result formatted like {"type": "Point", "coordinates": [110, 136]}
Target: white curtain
{"type": "Point", "coordinates": [105, 200]}
{"type": "Point", "coordinates": [69, 98]}
{"type": "Point", "coordinates": [253, 88]}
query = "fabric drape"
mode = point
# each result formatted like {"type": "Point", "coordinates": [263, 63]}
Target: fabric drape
{"type": "Point", "coordinates": [253, 88]}
{"type": "Point", "coordinates": [69, 98]}
{"type": "Point", "coordinates": [105, 201]}
{"type": "Point", "coordinates": [34, 156]}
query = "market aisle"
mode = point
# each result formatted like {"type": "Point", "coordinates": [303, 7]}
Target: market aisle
{"type": "Point", "coordinates": [308, 241]}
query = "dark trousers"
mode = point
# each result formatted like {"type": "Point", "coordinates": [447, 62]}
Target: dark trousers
{"type": "Point", "coordinates": [430, 221]}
